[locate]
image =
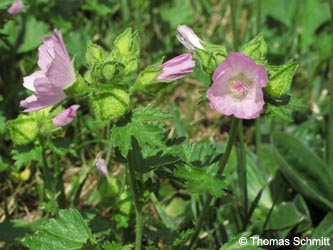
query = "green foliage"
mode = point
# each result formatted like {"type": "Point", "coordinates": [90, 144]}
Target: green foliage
{"type": "Point", "coordinates": [23, 130]}
{"type": "Point", "coordinates": [280, 80]}
{"type": "Point", "coordinates": [143, 120]}
{"type": "Point", "coordinates": [179, 13]}
{"type": "Point", "coordinates": [197, 180]}
{"type": "Point", "coordinates": [115, 246]}
{"type": "Point", "coordinates": [256, 49]}
{"type": "Point", "coordinates": [297, 161]}
{"type": "Point", "coordinates": [69, 231]}
{"type": "Point", "coordinates": [233, 244]}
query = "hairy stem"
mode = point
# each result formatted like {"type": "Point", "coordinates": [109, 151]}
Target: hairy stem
{"type": "Point", "coordinates": [136, 201]}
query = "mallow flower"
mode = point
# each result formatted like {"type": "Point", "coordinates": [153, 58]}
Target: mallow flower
{"type": "Point", "coordinates": [188, 38]}
{"type": "Point", "coordinates": [237, 87]}
{"type": "Point", "coordinates": [15, 8]}
{"type": "Point", "coordinates": [65, 117]}
{"type": "Point", "coordinates": [176, 68]}
{"type": "Point", "coordinates": [56, 74]}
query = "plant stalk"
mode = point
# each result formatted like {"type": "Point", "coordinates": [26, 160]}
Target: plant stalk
{"type": "Point", "coordinates": [205, 210]}
{"type": "Point", "coordinates": [136, 201]}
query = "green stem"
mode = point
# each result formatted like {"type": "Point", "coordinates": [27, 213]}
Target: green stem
{"type": "Point", "coordinates": [137, 205]}
{"type": "Point", "coordinates": [233, 5]}
{"type": "Point", "coordinates": [45, 167]}
{"type": "Point", "coordinates": [330, 120]}
{"type": "Point", "coordinates": [242, 172]}
{"type": "Point", "coordinates": [205, 210]}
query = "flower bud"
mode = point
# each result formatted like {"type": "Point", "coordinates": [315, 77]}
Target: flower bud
{"type": "Point", "coordinates": [176, 68]}
{"type": "Point", "coordinates": [188, 38]}
{"type": "Point", "coordinates": [127, 50]}
{"type": "Point", "coordinates": [23, 129]}
{"type": "Point", "coordinates": [101, 167]}
{"type": "Point", "coordinates": [94, 53]}
{"type": "Point", "coordinates": [66, 116]}
{"type": "Point", "coordinates": [110, 104]}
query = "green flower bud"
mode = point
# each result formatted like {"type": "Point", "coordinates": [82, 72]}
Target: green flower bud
{"type": "Point", "coordinates": [108, 187]}
{"type": "Point", "coordinates": [280, 80]}
{"type": "Point", "coordinates": [23, 129]}
{"type": "Point", "coordinates": [79, 87]}
{"type": "Point", "coordinates": [111, 103]}
{"type": "Point", "coordinates": [127, 50]}
{"type": "Point", "coordinates": [113, 71]}
{"type": "Point", "coordinates": [94, 53]}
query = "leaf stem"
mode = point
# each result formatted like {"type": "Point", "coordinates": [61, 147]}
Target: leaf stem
{"type": "Point", "coordinates": [205, 210]}
{"type": "Point", "coordinates": [135, 196]}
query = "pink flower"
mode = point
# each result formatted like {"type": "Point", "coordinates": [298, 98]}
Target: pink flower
{"type": "Point", "coordinates": [15, 7]}
{"type": "Point", "coordinates": [237, 87]}
{"type": "Point", "coordinates": [56, 74]}
{"type": "Point", "coordinates": [101, 167]}
{"type": "Point", "coordinates": [176, 68]}
{"type": "Point", "coordinates": [66, 116]}
{"type": "Point", "coordinates": [188, 38]}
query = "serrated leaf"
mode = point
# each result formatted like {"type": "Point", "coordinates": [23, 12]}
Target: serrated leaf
{"type": "Point", "coordinates": [145, 133]}
{"type": "Point", "coordinates": [115, 246]}
{"type": "Point", "coordinates": [279, 113]}
{"type": "Point", "coordinates": [198, 181]}
{"type": "Point", "coordinates": [256, 49]}
{"type": "Point", "coordinates": [22, 157]}
{"type": "Point", "coordinates": [69, 231]}
{"type": "Point", "coordinates": [280, 82]}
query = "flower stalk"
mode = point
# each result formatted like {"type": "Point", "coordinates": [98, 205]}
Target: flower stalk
{"type": "Point", "coordinates": [136, 201]}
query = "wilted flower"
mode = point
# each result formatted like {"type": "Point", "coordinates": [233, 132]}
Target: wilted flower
{"type": "Point", "coordinates": [101, 167]}
{"type": "Point", "coordinates": [65, 117]}
{"type": "Point", "coordinates": [237, 87]}
{"type": "Point", "coordinates": [15, 7]}
{"type": "Point", "coordinates": [188, 38]}
{"type": "Point", "coordinates": [176, 68]}
{"type": "Point", "coordinates": [56, 74]}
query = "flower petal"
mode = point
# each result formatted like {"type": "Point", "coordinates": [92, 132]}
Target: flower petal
{"type": "Point", "coordinates": [66, 116]}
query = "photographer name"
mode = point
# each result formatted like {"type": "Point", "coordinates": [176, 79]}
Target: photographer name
{"type": "Point", "coordinates": [296, 241]}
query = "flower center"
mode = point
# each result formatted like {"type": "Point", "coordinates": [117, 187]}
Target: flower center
{"type": "Point", "coordinates": [239, 87]}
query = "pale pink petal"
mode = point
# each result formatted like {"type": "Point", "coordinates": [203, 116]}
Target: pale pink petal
{"type": "Point", "coordinates": [37, 102]}
{"type": "Point", "coordinates": [237, 87]}
{"type": "Point", "coordinates": [176, 68]}
{"type": "Point", "coordinates": [66, 116]}
{"type": "Point", "coordinates": [56, 74]}
{"type": "Point", "coordinates": [188, 38]}
{"type": "Point", "coordinates": [16, 7]}
{"type": "Point", "coordinates": [28, 81]}
{"type": "Point", "coordinates": [101, 167]}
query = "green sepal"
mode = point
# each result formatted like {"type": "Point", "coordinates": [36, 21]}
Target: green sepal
{"type": "Point", "coordinates": [77, 88]}
{"type": "Point", "coordinates": [211, 57]}
{"type": "Point", "coordinates": [105, 72]}
{"type": "Point", "coordinates": [108, 187]}
{"type": "Point", "coordinates": [23, 130]}
{"type": "Point", "coordinates": [146, 81]}
{"type": "Point", "coordinates": [127, 50]}
{"type": "Point", "coordinates": [256, 49]}
{"type": "Point", "coordinates": [110, 103]}
{"type": "Point", "coordinates": [280, 81]}
{"type": "Point", "coordinates": [94, 53]}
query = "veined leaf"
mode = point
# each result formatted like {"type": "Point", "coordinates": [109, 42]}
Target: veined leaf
{"type": "Point", "coordinates": [68, 232]}
{"type": "Point", "coordinates": [198, 181]}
